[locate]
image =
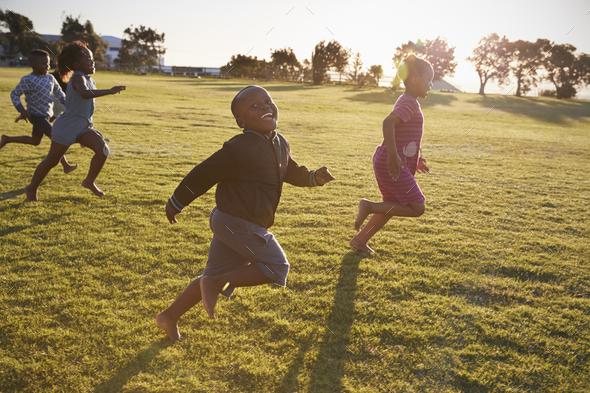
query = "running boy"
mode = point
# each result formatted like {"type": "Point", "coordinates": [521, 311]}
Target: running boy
{"type": "Point", "coordinates": [39, 89]}
{"type": "Point", "coordinates": [249, 171]}
{"type": "Point", "coordinates": [396, 160]}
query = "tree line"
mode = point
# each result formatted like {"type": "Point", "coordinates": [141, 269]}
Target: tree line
{"type": "Point", "coordinates": [494, 58]}
{"type": "Point", "coordinates": [140, 47]}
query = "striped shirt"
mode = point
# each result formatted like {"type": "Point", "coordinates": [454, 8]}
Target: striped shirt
{"type": "Point", "coordinates": [408, 137]}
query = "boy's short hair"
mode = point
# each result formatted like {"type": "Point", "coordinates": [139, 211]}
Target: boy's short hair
{"type": "Point", "coordinates": [411, 66]}
{"type": "Point", "coordinates": [36, 53]}
{"type": "Point", "coordinates": [236, 100]}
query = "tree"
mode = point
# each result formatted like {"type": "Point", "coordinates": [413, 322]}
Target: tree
{"type": "Point", "coordinates": [72, 30]}
{"type": "Point", "coordinates": [566, 70]}
{"type": "Point", "coordinates": [325, 57]}
{"type": "Point", "coordinates": [143, 46]}
{"type": "Point", "coordinates": [20, 37]}
{"type": "Point", "coordinates": [376, 72]}
{"type": "Point", "coordinates": [286, 63]}
{"type": "Point", "coordinates": [491, 59]}
{"type": "Point", "coordinates": [438, 53]}
{"type": "Point", "coordinates": [241, 66]}
{"type": "Point", "coordinates": [525, 60]}
{"type": "Point", "coordinates": [355, 69]}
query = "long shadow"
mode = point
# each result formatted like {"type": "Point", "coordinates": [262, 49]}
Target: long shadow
{"type": "Point", "coordinates": [289, 383]}
{"type": "Point", "coordinates": [18, 228]}
{"type": "Point", "coordinates": [550, 110]}
{"type": "Point", "coordinates": [12, 194]}
{"type": "Point", "coordinates": [134, 367]}
{"type": "Point", "coordinates": [326, 375]}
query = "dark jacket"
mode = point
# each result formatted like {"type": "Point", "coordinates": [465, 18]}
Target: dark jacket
{"type": "Point", "coordinates": [249, 171]}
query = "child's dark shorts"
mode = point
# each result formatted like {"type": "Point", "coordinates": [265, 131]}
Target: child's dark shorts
{"type": "Point", "coordinates": [41, 126]}
{"type": "Point", "coordinates": [237, 242]}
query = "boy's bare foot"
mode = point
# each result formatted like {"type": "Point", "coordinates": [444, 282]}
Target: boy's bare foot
{"type": "Point", "coordinates": [70, 168]}
{"type": "Point", "coordinates": [92, 187]}
{"type": "Point", "coordinates": [31, 194]}
{"type": "Point", "coordinates": [362, 215]}
{"type": "Point", "coordinates": [359, 246]}
{"type": "Point", "coordinates": [3, 141]}
{"type": "Point", "coordinates": [170, 327]}
{"type": "Point", "coordinates": [209, 295]}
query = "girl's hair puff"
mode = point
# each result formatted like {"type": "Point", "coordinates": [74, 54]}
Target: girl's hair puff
{"type": "Point", "coordinates": [413, 66]}
{"type": "Point", "coordinates": [69, 54]}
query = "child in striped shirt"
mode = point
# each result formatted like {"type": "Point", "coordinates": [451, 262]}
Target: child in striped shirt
{"type": "Point", "coordinates": [396, 160]}
{"type": "Point", "coordinates": [40, 89]}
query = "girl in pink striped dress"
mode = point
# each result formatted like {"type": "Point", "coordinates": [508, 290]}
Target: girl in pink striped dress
{"type": "Point", "coordinates": [397, 159]}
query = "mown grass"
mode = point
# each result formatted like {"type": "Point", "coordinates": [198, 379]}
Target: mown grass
{"type": "Point", "coordinates": [486, 292]}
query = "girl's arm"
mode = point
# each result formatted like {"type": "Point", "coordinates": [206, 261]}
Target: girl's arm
{"type": "Point", "coordinates": [79, 85]}
{"type": "Point", "coordinates": [394, 163]}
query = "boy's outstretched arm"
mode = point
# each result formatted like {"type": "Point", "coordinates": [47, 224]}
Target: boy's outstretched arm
{"type": "Point", "coordinates": [208, 173]}
{"type": "Point", "coordinates": [302, 177]}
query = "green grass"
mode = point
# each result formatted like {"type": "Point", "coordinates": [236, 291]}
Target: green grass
{"type": "Point", "coordinates": [486, 292]}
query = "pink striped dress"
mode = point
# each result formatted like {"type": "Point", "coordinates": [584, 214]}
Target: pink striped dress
{"type": "Point", "coordinates": [407, 139]}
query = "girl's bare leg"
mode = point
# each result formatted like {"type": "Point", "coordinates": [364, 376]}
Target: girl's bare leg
{"type": "Point", "coordinates": [97, 145]}
{"type": "Point", "coordinates": [56, 152]}
{"type": "Point", "coordinates": [382, 212]}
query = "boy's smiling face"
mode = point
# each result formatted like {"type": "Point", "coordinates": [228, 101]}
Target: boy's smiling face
{"type": "Point", "coordinates": [256, 111]}
{"type": "Point", "coordinates": [39, 64]}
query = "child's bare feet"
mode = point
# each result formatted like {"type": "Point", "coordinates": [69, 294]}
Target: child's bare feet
{"type": "Point", "coordinates": [170, 327]}
{"type": "Point", "coordinates": [362, 215]}
{"type": "Point", "coordinates": [31, 194]}
{"type": "Point", "coordinates": [70, 168]}
{"type": "Point", "coordinates": [209, 294]}
{"type": "Point", "coordinates": [92, 187]}
{"type": "Point", "coordinates": [3, 140]}
{"type": "Point", "coordinates": [360, 246]}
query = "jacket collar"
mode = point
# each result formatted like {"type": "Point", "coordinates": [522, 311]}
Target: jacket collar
{"type": "Point", "coordinates": [273, 134]}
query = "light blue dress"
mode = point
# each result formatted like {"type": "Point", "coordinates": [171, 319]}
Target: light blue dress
{"type": "Point", "coordinates": [77, 118]}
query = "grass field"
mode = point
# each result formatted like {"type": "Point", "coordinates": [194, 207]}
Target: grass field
{"type": "Point", "coordinates": [488, 291]}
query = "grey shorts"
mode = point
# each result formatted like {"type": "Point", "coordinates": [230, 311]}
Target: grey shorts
{"type": "Point", "coordinates": [237, 242]}
{"type": "Point", "coordinates": [68, 128]}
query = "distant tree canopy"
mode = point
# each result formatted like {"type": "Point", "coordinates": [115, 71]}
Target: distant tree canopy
{"type": "Point", "coordinates": [326, 57]}
{"type": "Point", "coordinates": [525, 60]}
{"type": "Point", "coordinates": [72, 29]}
{"type": "Point", "coordinates": [21, 37]}
{"type": "Point", "coordinates": [141, 47]}
{"type": "Point", "coordinates": [566, 70]}
{"type": "Point", "coordinates": [286, 64]}
{"type": "Point", "coordinates": [242, 66]}
{"type": "Point", "coordinates": [491, 59]}
{"type": "Point", "coordinates": [438, 52]}
{"type": "Point", "coordinates": [355, 69]}
{"type": "Point", "coordinates": [376, 71]}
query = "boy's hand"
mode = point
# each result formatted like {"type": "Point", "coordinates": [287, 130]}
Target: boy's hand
{"type": "Point", "coordinates": [117, 89]}
{"type": "Point", "coordinates": [394, 165]}
{"type": "Point", "coordinates": [421, 167]}
{"type": "Point", "coordinates": [323, 176]}
{"type": "Point", "coordinates": [171, 213]}
{"type": "Point", "coordinates": [24, 114]}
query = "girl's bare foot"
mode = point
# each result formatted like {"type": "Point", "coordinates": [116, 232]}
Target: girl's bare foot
{"type": "Point", "coordinates": [70, 168]}
{"type": "Point", "coordinates": [362, 215]}
{"type": "Point", "coordinates": [92, 187]}
{"type": "Point", "coordinates": [360, 246]}
{"type": "Point", "coordinates": [170, 327]}
{"type": "Point", "coordinates": [209, 295]}
{"type": "Point", "coordinates": [31, 194]}
{"type": "Point", "coordinates": [3, 141]}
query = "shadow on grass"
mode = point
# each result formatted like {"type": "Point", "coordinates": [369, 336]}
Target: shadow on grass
{"type": "Point", "coordinates": [388, 97]}
{"type": "Point", "coordinates": [550, 110]}
{"type": "Point", "coordinates": [12, 194]}
{"type": "Point", "coordinates": [135, 366]}
{"type": "Point", "coordinates": [326, 375]}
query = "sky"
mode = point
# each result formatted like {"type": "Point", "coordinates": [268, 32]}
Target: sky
{"type": "Point", "coordinates": [199, 33]}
